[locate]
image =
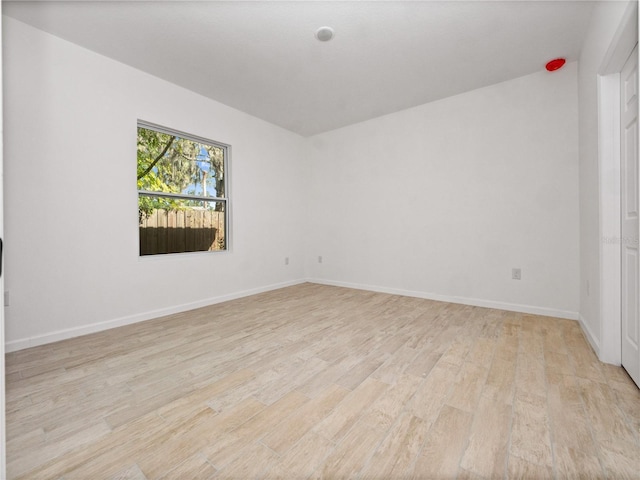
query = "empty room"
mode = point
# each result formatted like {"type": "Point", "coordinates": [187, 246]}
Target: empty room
{"type": "Point", "coordinates": [319, 239]}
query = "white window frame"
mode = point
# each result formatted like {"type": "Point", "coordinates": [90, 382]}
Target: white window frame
{"type": "Point", "coordinates": [225, 199]}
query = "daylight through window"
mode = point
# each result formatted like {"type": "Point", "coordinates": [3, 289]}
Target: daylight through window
{"type": "Point", "coordinates": [182, 194]}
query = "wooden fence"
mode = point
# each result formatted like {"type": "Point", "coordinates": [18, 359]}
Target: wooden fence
{"type": "Point", "coordinates": [176, 231]}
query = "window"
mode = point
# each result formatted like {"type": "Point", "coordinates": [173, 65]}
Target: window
{"type": "Point", "coordinates": [183, 202]}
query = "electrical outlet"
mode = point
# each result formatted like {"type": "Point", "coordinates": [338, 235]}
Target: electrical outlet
{"type": "Point", "coordinates": [6, 298]}
{"type": "Point", "coordinates": [319, 258]}
{"type": "Point", "coordinates": [516, 274]}
{"type": "Point", "coordinates": [286, 260]}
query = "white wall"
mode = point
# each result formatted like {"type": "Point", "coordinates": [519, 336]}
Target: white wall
{"type": "Point", "coordinates": [605, 22]}
{"type": "Point", "coordinates": [438, 201]}
{"type": "Point", "coordinates": [442, 200]}
{"type": "Point", "coordinates": [72, 262]}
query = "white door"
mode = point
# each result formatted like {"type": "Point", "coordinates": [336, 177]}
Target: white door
{"type": "Point", "coordinates": [629, 210]}
{"type": "Point", "coordinates": [2, 427]}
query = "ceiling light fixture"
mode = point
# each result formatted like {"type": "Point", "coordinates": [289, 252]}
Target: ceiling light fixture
{"type": "Point", "coordinates": [324, 34]}
{"type": "Point", "coordinates": [556, 64]}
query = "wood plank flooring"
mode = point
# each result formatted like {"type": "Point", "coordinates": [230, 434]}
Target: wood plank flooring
{"type": "Point", "coordinates": [318, 382]}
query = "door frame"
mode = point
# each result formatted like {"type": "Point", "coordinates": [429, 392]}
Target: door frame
{"type": "Point", "coordinates": [623, 43]}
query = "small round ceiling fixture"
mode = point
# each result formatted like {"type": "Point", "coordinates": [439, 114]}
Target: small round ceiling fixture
{"type": "Point", "coordinates": [324, 34]}
{"type": "Point", "coordinates": [556, 64]}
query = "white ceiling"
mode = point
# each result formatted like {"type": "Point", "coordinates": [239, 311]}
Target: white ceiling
{"type": "Point", "coordinates": [262, 57]}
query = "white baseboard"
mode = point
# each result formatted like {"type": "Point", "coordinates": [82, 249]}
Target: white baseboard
{"type": "Point", "coordinates": [476, 302]}
{"type": "Point", "coordinates": [590, 336]}
{"type": "Point", "coordinates": [65, 334]}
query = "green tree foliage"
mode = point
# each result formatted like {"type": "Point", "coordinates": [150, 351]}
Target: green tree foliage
{"type": "Point", "coordinates": [168, 163]}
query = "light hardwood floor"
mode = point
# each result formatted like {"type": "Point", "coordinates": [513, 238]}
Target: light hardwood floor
{"type": "Point", "coordinates": [322, 382]}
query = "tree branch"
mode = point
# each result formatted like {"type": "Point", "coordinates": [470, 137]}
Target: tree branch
{"type": "Point", "coordinates": [157, 159]}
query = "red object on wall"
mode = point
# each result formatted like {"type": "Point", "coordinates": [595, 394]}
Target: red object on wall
{"type": "Point", "coordinates": [556, 64]}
